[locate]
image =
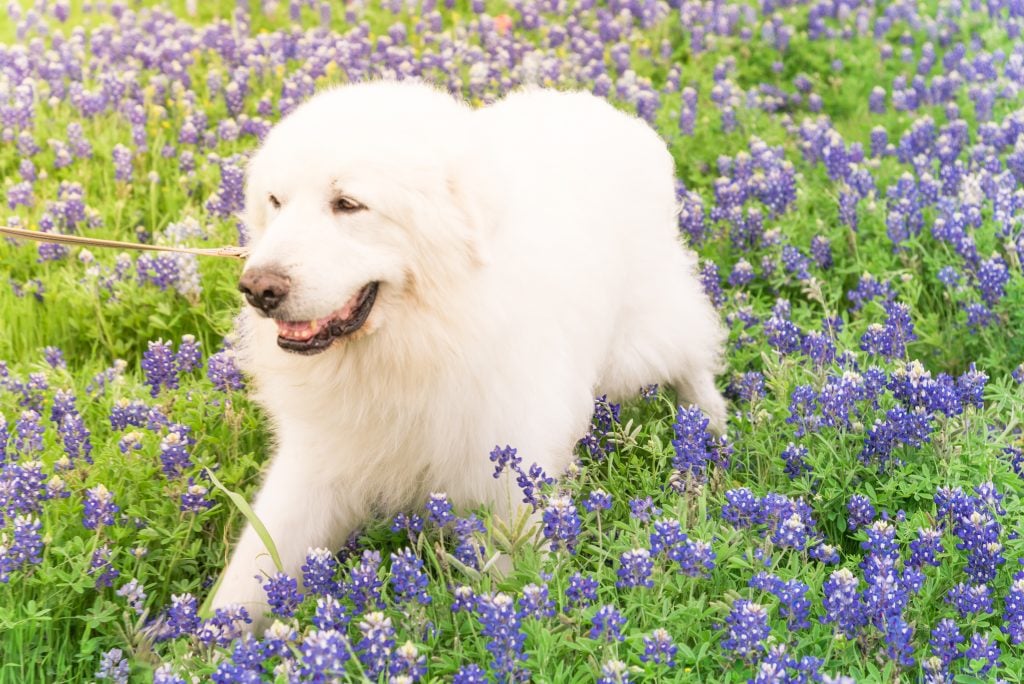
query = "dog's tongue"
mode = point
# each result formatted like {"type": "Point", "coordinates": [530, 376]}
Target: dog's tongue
{"type": "Point", "coordinates": [307, 330]}
{"type": "Point", "coordinates": [299, 330]}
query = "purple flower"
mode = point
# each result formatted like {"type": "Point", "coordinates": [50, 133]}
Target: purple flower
{"type": "Point", "coordinates": [635, 569]}
{"type": "Point", "coordinates": [363, 585]}
{"type": "Point", "coordinates": [794, 456]}
{"type": "Point", "coordinates": [582, 590]}
{"type": "Point", "coordinates": [159, 367]}
{"type": "Point", "coordinates": [24, 549]}
{"type": "Point", "coordinates": [282, 594]}
{"type": "Point", "coordinates": [193, 499]}
{"type": "Point", "coordinates": [182, 615]}
{"type": "Point", "coordinates": [659, 648]}
{"type": "Point", "coordinates": [535, 602]}
{"type": "Point", "coordinates": [599, 500]}
{"type": "Point", "coordinates": [561, 524]}
{"type": "Point", "coordinates": [408, 582]}
{"type": "Point", "coordinates": [607, 624]}
{"type": "Point", "coordinates": [99, 507]}
{"type": "Point", "coordinates": [134, 595]}
{"type": "Point", "coordinates": [501, 624]}
{"type": "Point", "coordinates": [189, 357]}
{"type": "Point", "coordinates": [984, 649]}
{"type": "Point", "coordinates": [122, 157]}
{"type": "Point", "coordinates": [925, 549]}
{"type": "Point", "coordinates": [407, 665]}
{"type": "Point", "coordinates": [114, 667]}
{"type": "Point", "coordinates": [747, 624]}
{"type": "Point", "coordinates": [861, 512]}
{"type": "Point", "coordinates": [174, 457]}
{"type": "Point", "coordinates": [842, 603]}
{"type": "Point", "coordinates": [318, 572]}
{"type": "Point", "coordinates": [324, 654]}
{"type": "Point", "coordinates": [102, 568]}
{"type": "Point", "coordinates": [969, 600]}
{"type": "Point", "coordinates": [223, 372]}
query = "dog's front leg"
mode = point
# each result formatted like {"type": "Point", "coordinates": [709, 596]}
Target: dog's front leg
{"type": "Point", "coordinates": [300, 509]}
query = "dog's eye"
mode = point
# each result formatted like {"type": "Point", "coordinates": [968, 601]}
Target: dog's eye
{"type": "Point", "coordinates": [274, 202]}
{"type": "Point", "coordinates": [345, 205]}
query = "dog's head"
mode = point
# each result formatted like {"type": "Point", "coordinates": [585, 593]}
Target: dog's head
{"type": "Point", "coordinates": [358, 204]}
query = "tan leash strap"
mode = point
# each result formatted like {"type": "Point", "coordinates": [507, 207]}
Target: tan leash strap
{"type": "Point", "coordinates": [230, 252]}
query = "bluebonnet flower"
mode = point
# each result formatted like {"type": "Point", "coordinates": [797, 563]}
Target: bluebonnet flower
{"type": "Point", "coordinates": [114, 667]}
{"type": "Point", "coordinates": [174, 456]}
{"type": "Point", "coordinates": [376, 644]}
{"type": "Point", "coordinates": [407, 665]}
{"type": "Point", "coordinates": [1013, 611]}
{"type": "Point", "coordinates": [985, 649]}
{"type": "Point", "coordinates": [582, 590]}
{"type": "Point", "coordinates": [748, 628]}
{"type": "Point", "coordinates": [363, 585]}
{"type": "Point", "coordinates": [860, 510]}
{"type": "Point", "coordinates": [693, 443]}
{"type": "Point", "coordinates": [794, 456]}
{"type": "Point", "coordinates": [899, 641]}
{"type": "Point", "coordinates": [946, 638]}
{"type": "Point", "coordinates": [901, 427]}
{"type": "Point", "coordinates": [471, 674]}
{"type": "Point", "coordinates": [24, 549]}
{"type": "Point", "coordinates": [102, 568]}
{"type": "Point", "coordinates": [463, 599]}
{"type": "Point", "coordinates": [925, 548]}
{"type": "Point", "coordinates": [439, 509]}
{"type": "Point", "coordinates": [503, 458]}
{"type": "Point", "coordinates": [182, 615]}
{"type": "Point", "coordinates": [408, 582]}
{"type": "Point", "coordinates": [712, 283]}
{"type": "Point", "coordinates": [742, 508]}
{"type": "Point", "coordinates": [794, 262]}
{"type": "Point", "coordinates": [969, 600]}
{"type": "Point", "coordinates": [842, 603]}
{"type": "Point", "coordinates": [28, 433]}
{"type": "Point", "coordinates": [193, 499]}
{"type": "Point", "coordinates": [695, 558]}
{"type": "Point", "coordinates": [159, 368]}
{"type": "Point", "coordinates": [821, 252]}
{"type": "Point", "coordinates": [599, 500]}
{"type": "Point", "coordinates": [224, 627]}
{"type": "Point", "coordinates": [607, 624]}
{"type": "Point", "coordinates": [742, 273]}
{"type": "Point", "coordinates": [189, 357]}
{"type": "Point", "coordinates": [223, 372]}
{"type": "Point", "coordinates": [501, 625]}
{"type": "Point", "coordinates": [318, 572]}
{"type": "Point", "coordinates": [561, 523]}
{"type": "Point", "coordinates": [75, 437]}
{"type": "Point", "coordinates": [667, 535]}
{"type": "Point", "coordinates": [535, 602]}
{"type": "Point", "coordinates": [330, 614]}
{"type": "Point", "coordinates": [614, 671]}
{"type": "Point", "coordinates": [802, 408]}
{"type": "Point", "coordinates": [979, 536]}
{"type": "Point", "coordinates": [824, 553]}
{"type": "Point", "coordinates": [793, 603]}
{"type": "Point", "coordinates": [324, 654]}
{"type": "Point", "coordinates": [781, 332]}
{"type": "Point", "coordinates": [530, 483]}
{"type": "Point", "coordinates": [748, 387]}
{"type": "Point", "coordinates": [635, 569]}
{"type": "Point", "coordinates": [165, 675]}
{"type": "Point", "coordinates": [642, 509]}
{"type": "Point", "coordinates": [282, 594]}
{"type": "Point", "coordinates": [411, 523]}
{"type": "Point", "coordinates": [659, 648]}
{"type": "Point", "coordinates": [868, 289]}
{"type": "Point", "coordinates": [467, 549]}
{"type": "Point", "coordinates": [971, 386]}
{"type": "Point", "coordinates": [99, 507]}
{"type": "Point", "coordinates": [134, 595]}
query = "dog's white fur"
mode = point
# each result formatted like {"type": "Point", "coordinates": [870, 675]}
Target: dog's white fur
{"type": "Point", "coordinates": [529, 260]}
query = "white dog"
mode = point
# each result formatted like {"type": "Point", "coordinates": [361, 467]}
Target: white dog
{"type": "Point", "coordinates": [428, 281]}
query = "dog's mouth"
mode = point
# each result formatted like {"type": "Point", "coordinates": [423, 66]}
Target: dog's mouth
{"type": "Point", "coordinates": [312, 337]}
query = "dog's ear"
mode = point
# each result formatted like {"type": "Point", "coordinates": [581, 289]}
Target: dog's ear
{"type": "Point", "coordinates": [475, 191]}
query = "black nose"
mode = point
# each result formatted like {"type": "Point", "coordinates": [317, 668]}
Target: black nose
{"type": "Point", "coordinates": [264, 289]}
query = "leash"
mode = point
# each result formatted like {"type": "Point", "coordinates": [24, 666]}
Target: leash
{"type": "Point", "coordinates": [230, 252]}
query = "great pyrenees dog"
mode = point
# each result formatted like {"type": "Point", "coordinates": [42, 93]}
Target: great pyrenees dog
{"type": "Point", "coordinates": [428, 281]}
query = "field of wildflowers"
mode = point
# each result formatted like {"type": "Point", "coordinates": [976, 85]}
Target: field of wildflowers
{"type": "Point", "coordinates": [851, 173]}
